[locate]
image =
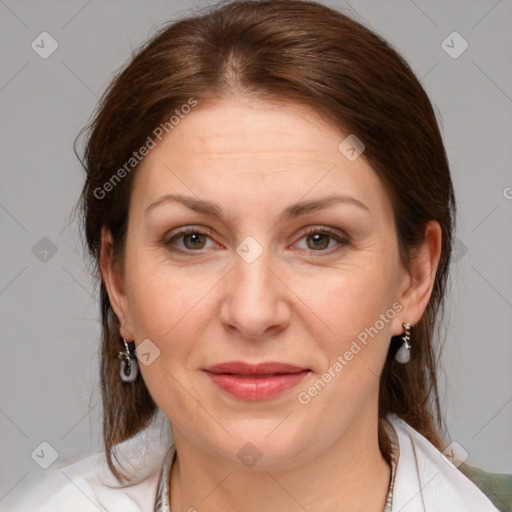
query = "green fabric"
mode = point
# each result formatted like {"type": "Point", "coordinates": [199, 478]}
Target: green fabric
{"type": "Point", "coordinates": [496, 486]}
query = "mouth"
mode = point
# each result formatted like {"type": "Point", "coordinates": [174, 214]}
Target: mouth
{"type": "Point", "coordinates": [256, 381]}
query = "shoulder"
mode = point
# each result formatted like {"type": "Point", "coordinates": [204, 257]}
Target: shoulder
{"type": "Point", "coordinates": [497, 486]}
{"type": "Point", "coordinates": [427, 480]}
{"type": "Point", "coordinates": [87, 484]}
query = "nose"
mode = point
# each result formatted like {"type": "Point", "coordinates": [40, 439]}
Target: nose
{"type": "Point", "coordinates": [256, 300]}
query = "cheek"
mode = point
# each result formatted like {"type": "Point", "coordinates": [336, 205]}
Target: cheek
{"type": "Point", "coordinates": [158, 296]}
{"type": "Point", "coordinates": [157, 300]}
{"type": "Point", "coordinates": [353, 299]}
{"type": "Point", "coordinates": [358, 305]}
{"type": "Point", "coordinates": [166, 311]}
{"type": "Point", "coordinates": [161, 308]}
{"type": "Point", "coordinates": [357, 308]}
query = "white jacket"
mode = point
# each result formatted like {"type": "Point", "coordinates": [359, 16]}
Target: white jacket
{"type": "Point", "coordinates": [425, 480]}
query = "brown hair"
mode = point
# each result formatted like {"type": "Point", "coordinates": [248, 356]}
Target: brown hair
{"type": "Point", "coordinates": [290, 51]}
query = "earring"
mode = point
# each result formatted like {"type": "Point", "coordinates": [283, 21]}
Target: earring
{"type": "Point", "coordinates": [128, 358]}
{"type": "Point", "coordinates": [404, 352]}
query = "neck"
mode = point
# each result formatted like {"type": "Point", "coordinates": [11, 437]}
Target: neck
{"type": "Point", "coordinates": [338, 478]}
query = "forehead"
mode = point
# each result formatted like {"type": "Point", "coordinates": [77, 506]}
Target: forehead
{"type": "Point", "coordinates": [240, 126]}
{"type": "Point", "coordinates": [267, 152]}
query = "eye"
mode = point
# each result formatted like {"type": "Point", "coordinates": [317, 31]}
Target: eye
{"type": "Point", "coordinates": [193, 239]}
{"type": "Point", "coordinates": [318, 239]}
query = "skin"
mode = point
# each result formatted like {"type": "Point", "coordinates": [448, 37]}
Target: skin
{"type": "Point", "coordinates": [295, 303]}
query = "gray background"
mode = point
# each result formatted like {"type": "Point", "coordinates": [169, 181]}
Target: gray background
{"type": "Point", "coordinates": [49, 314]}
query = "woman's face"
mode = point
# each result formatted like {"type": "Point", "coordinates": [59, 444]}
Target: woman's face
{"type": "Point", "coordinates": [254, 285]}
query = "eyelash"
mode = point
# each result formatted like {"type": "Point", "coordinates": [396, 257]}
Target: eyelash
{"type": "Point", "coordinates": [207, 232]}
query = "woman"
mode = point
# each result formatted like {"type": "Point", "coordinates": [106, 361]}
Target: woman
{"type": "Point", "coordinates": [269, 207]}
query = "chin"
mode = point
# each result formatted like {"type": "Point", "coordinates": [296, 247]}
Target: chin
{"type": "Point", "coordinates": [259, 444]}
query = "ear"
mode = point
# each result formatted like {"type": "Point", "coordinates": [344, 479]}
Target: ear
{"type": "Point", "coordinates": [114, 283]}
{"type": "Point", "coordinates": [418, 283]}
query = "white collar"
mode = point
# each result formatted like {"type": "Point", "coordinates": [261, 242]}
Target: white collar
{"type": "Point", "coordinates": [426, 481]}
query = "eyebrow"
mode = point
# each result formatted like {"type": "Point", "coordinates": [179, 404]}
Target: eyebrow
{"type": "Point", "coordinates": [292, 211]}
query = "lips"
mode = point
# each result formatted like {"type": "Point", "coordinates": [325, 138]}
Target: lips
{"type": "Point", "coordinates": [256, 381]}
{"type": "Point", "coordinates": [260, 369]}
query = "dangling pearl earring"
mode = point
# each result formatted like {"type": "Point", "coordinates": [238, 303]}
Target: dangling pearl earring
{"type": "Point", "coordinates": [128, 358]}
{"type": "Point", "coordinates": [403, 354]}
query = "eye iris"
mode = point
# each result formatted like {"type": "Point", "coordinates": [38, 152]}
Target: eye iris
{"type": "Point", "coordinates": [195, 237]}
{"type": "Point", "coordinates": [318, 237]}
